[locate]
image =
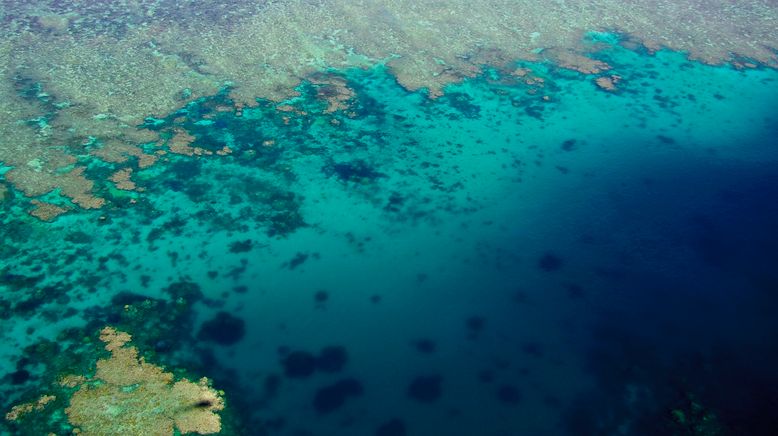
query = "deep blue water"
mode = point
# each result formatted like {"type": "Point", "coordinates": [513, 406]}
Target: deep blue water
{"type": "Point", "coordinates": [487, 263]}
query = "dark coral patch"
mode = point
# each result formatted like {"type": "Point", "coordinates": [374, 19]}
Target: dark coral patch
{"type": "Point", "coordinates": [475, 324]}
{"type": "Point", "coordinates": [241, 246]}
{"type": "Point", "coordinates": [299, 364]}
{"type": "Point", "coordinates": [188, 291]}
{"type": "Point", "coordinates": [332, 397]}
{"type": "Point", "coordinates": [394, 427]}
{"type": "Point", "coordinates": [297, 260]}
{"type": "Point", "coordinates": [20, 376]}
{"type": "Point", "coordinates": [574, 291]}
{"type": "Point", "coordinates": [185, 169]}
{"type": "Point", "coordinates": [271, 385]}
{"type": "Point", "coordinates": [569, 145]}
{"type": "Point", "coordinates": [223, 329]}
{"type": "Point", "coordinates": [321, 297]}
{"type": "Point", "coordinates": [508, 394]}
{"type": "Point", "coordinates": [463, 103]}
{"type": "Point", "coordinates": [533, 349]}
{"type": "Point", "coordinates": [331, 359]}
{"type": "Point", "coordinates": [78, 237]}
{"type": "Point", "coordinates": [486, 376]}
{"type": "Point", "coordinates": [425, 346]}
{"type": "Point", "coordinates": [426, 388]}
{"type": "Point", "coordinates": [354, 171]}
{"type": "Point", "coordinates": [550, 262]}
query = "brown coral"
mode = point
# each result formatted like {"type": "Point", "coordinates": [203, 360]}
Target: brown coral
{"type": "Point", "coordinates": [334, 90]}
{"type": "Point", "coordinates": [79, 189]}
{"type": "Point", "coordinates": [575, 61]}
{"type": "Point", "coordinates": [22, 409]}
{"type": "Point", "coordinates": [116, 151]}
{"type": "Point", "coordinates": [46, 211]}
{"type": "Point", "coordinates": [34, 180]}
{"type": "Point", "coordinates": [122, 179]}
{"type": "Point", "coordinates": [180, 144]}
{"type": "Point", "coordinates": [128, 395]}
{"type": "Point", "coordinates": [608, 83]}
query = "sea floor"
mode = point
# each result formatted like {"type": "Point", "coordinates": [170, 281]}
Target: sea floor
{"type": "Point", "coordinates": [527, 254]}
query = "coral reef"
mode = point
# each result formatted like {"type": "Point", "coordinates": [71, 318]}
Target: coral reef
{"type": "Point", "coordinates": [122, 179]}
{"type": "Point", "coordinates": [127, 395]}
{"type": "Point", "coordinates": [334, 90]}
{"type": "Point", "coordinates": [46, 211]}
{"type": "Point", "coordinates": [608, 83]}
{"type": "Point", "coordinates": [25, 408]}
{"type": "Point", "coordinates": [78, 80]}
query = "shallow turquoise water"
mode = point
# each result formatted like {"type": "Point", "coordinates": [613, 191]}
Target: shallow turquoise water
{"type": "Point", "coordinates": [572, 254]}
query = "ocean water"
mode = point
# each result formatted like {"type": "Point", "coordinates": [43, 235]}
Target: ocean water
{"type": "Point", "coordinates": [506, 259]}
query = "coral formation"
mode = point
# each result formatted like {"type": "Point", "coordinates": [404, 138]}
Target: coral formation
{"type": "Point", "coordinates": [78, 81]}
{"type": "Point", "coordinates": [608, 83]}
{"type": "Point", "coordinates": [180, 144]}
{"type": "Point", "coordinates": [46, 211]}
{"type": "Point", "coordinates": [334, 90]}
{"type": "Point", "coordinates": [127, 395]}
{"type": "Point", "coordinates": [116, 151]}
{"type": "Point", "coordinates": [25, 408]}
{"type": "Point", "coordinates": [578, 62]}
{"type": "Point", "coordinates": [122, 179]}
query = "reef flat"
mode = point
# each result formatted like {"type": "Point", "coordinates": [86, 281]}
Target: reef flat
{"type": "Point", "coordinates": [388, 218]}
{"type": "Point", "coordinates": [78, 78]}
